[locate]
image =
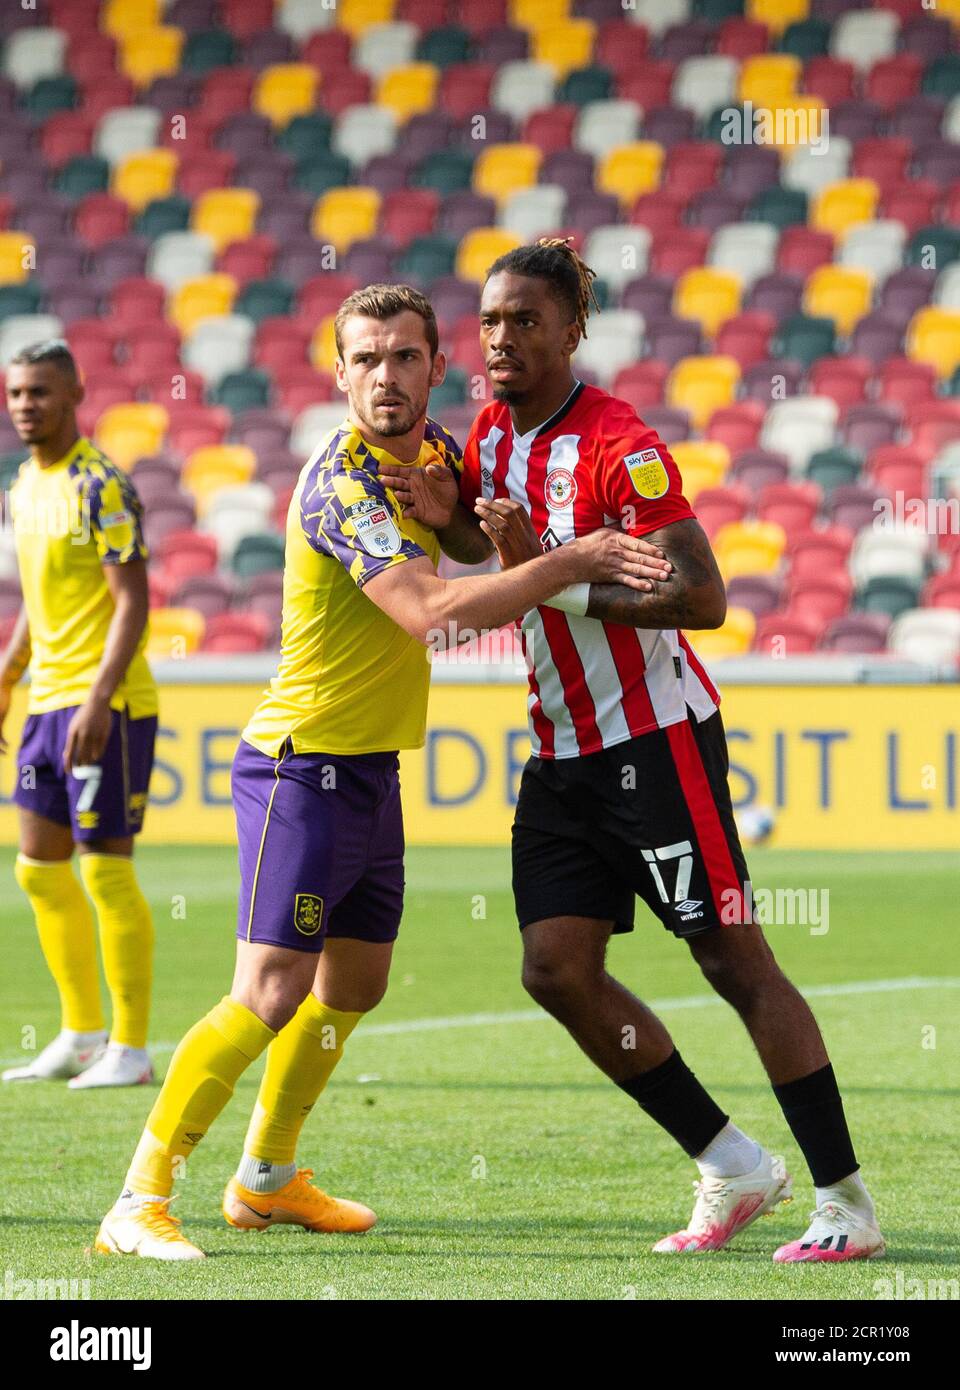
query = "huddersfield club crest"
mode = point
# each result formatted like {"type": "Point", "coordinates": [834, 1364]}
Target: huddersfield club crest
{"type": "Point", "coordinates": [560, 489]}
{"type": "Point", "coordinates": [647, 473]}
{"type": "Point", "coordinates": [307, 913]}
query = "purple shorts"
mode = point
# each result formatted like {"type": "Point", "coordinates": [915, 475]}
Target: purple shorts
{"type": "Point", "coordinates": [320, 837]}
{"type": "Point", "coordinates": [105, 800]}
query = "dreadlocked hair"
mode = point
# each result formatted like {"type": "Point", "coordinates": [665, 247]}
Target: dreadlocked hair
{"type": "Point", "coordinates": [553, 259]}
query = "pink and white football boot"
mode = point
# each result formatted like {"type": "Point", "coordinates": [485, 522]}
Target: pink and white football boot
{"type": "Point", "coordinates": [836, 1232]}
{"type": "Point", "coordinates": [726, 1206]}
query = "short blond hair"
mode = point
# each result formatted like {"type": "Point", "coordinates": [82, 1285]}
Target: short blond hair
{"type": "Point", "coordinates": [385, 302]}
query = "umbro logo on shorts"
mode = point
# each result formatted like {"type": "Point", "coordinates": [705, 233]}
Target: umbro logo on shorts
{"type": "Point", "coordinates": [689, 905]}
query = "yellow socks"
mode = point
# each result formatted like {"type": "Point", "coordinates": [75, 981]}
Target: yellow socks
{"type": "Point", "coordinates": [126, 940]}
{"type": "Point", "coordinates": [203, 1072]}
{"type": "Point", "coordinates": [65, 928]}
{"type": "Point", "coordinates": [300, 1062]}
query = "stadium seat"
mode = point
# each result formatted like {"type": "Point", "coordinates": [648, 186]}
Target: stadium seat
{"type": "Point", "coordinates": [641, 384]}
{"type": "Point", "coordinates": [208, 296]}
{"type": "Point", "coordinates": [705, 83]}
{"type": "Point", "coordinates": [793, 506]}
{"type": "Point", "coordinates": [843, 379]}
{"type": "Point", "coordinates": [799, 427]}
{"type": "Point", "coordinates": [30, 55]}
{"type": "Point", "coordinates": [126, 433]}
{"type": "Point", "coordinates": [768, 79]}
{"type": "Point", "coordinates": [888, 594]}
{"type": "Point", "coordinates": [206, 471]}
{"type": "Point", "coordinates": [934, 337]}
{"type": "Point", "coordinates": [174, 633]}
{"type": "Point", "coordinates": [803, 338]}
{"type": "Point", "coordinates": [760, 593]}
{"type": "Point", "coordinates": [840, 206]}
{"type": "Point", "coordinates": [364, 131]}
{"type": "Point", "coordinates": [874, 247]}
{"type": "Point", "coordinates": [734, 637]}
{"type": "Point", "coordinates": [603, 126]}
{"type": "Point", "coordinates": [745, 250]}
{"type": "Point", "coordinates": [532, 212]}
{"type": "Point", "coordinates": [522, 86]}
{"type": "Point", "coordinates": [716, 506]}
{"type": "Point", "coordinates": [702, 463]}
{"type": "Point", "coordinates": [257, 554]}
{"type": "Point", "coordinates": [225, 215]}
{"type": "Point", "coordinates": [237, 632]}
{"type": "Point", "coordinates": [178, 257]}
{"type": "Point", "coordinates": [345, 215]}
{"type": "Point", "coordinates": [860, 634]}
{"type": "Point", "coordinates": [14, 262]}
{"type": "Point", "coordinates": [737, 425]}
{"type": "Point", "coordinates": [839, 293]}
{"type": "Point", "coordinates": [408, 91]}
{"type": "Point", "coordinates": [613, 341]}
{"type": "Point", "coordinates": [480, 248]}
{"type": "Point", "coordinates": [140, 178]}
{"type": "Point", "coordinates": [146, 54]}
{"type": "Point", "coordinates": [502, 169]}
{"type": "Point", "coordinates": [709, 296]}
{"type": "Point", "coordinates": [630, 170]}
{"type": "Point", "coordinates": [785, 634]}
{"type": "Point", "coordinates": [864, 38]}
{"type": "Point", "coordinates": [749, 547]}
{"type": "Point", "coordinates": [700, 385]}
{"type": "Point", "coordinates": [565, 45]}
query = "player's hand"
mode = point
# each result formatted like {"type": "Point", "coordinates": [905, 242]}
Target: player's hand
{"type": "Point", "coordinates": [87, 734]}
{"type": "Point", "coordinates": [610, 556]}
{"type": "Point", "coordinates": [508, 525]}
{"type": "Point", "coordinates": [428, 495]}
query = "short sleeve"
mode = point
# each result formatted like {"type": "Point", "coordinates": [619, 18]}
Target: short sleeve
{"type": "Point", "coordinates": [637, 481]}
{"type": "Point", "coordinates": [446, 446]}
{"type": "Point", "coordinates": [470, 488]}
{"type": "Point", "coordinates": [350, 517]}
{"type": "Point", "coordinates": [115, 515]}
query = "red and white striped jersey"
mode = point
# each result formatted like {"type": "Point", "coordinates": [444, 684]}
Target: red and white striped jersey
{"type": "Point", "coordinates": [593, 463]}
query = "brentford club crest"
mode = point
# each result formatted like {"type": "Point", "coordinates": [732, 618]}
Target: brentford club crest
{"type": "Point", "coordinates": [560, 489]}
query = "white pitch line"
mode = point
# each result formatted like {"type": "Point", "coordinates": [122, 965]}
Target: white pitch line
{"type": "Point", "coordinates": [683, 1001]}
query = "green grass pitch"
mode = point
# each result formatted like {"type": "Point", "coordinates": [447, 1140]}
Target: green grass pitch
{"type": "Point", "coordinates": [502, 1165]}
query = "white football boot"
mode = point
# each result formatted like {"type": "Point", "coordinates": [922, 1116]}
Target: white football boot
{"type": "Point", "coordinates": [117, 1066]}
{"type": "Point", "coordinates": [725, 1206]}
{"type": "Point", "coordinates": [144, 1227]}
{"type": "Point", "coordinates": [836, 1232]}
{"type": "Point", "coordinates": [70, 1054]}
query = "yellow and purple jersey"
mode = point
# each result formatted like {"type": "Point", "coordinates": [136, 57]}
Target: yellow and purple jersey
{"type": "Point", "coordinates": [69, 520]}
{"type": "Point", "coordinates": [350, 680]}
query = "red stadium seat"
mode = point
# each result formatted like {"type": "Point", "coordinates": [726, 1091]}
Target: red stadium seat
{"type": "Point", "coordinates": [152, 346]}
{"type": "Point", "coordinates": [323, 295]}
{"type": "Point", "coordinates": [821, 600]}
{"type": "Point", "coordinates": [746, 337]}
{"type": "Point", "coordinates": [738, 425]}
{"type": "Point", "coordinates": [195, 136]}
{"type": "Point", "coordinates": [843, 379]}
{"type": "Point", "coordinates": [136, 300]}
{"type": "Point", "coordinates": [299, 387]}
{"type": "Point", "coordinates": [883, 159]}
{"type": "Point", "coordinates": [660, 211]}
{"type": "Point", "coordinates": [156, 385]}
{"type": "Point", "coordinates": [831, 79]}
{"type": "Point", "coordinates": [101, 94]}
{"type": "Point", "coordinates": [64, 135]}
{"type": "Point", "coordinates": [90, 55]}
{"type": "Point", "coordinates": [426, 14]}
{"type": "Point", "coordinates": [742, 38]}
{"type": "Point", "coordinates": [907, 382]}
{"type": "Point", "coordinates": [225, 92]}
{"type": "Point", "coordinates": [196, 426]}
{"type": "Point", "coordinates": [346, 88]}
{"type": "Point", "coordinates": [912, 203]}
{"type": "Point", "coordinates": [76, 17]}
{"type": "Point", "coordinates": [860, 634]}
{"type": "Point", "coordinates": [251, 259]}
{"type": "Point", "coordinates": [236, 632]}
{"type": "Point", "coordinates": [943, 591]}
{"type": "Point", "coordinates": [692, 167]}
{"type": "Point", "coordinates": [281, 344]}
{"type": "Point", "coordinates": [934, 424]}
{"type": "Point", "coordinates": [482, 15]}
{"type": "Point", "coordinates": [801, 250]}
{"type": "Point", "coordinates": [185, 553]}
{"type": "Point", "coordinates": [791, 505]}
{"type": "Point", "coordinates": [408, 213]}
{"type": "Point", "coordinates": [550, 129]}
{"type": "Point", "coordinates": [819, 552]}
{"type": "Point", "coordinates": [642, 383]}
{"type": "Point", "coordinates": [893, 80]}
{"type": "Point", "coordinates": [784, 634]}
{"type": "Point", "coordinates": [897, 468]}
{"type": "Point", "coordinates": [204, 169]}
{"type": "Point", "coordinates": [159, 589]}
{"type": "Point", "coordinates": [716, 506]}
{"type": "Point", "coordinates": [620, 45]}
{"type": "Point", "coordinates": [100, 218]}
{"type": "Point", "coordinates": [678, 250]}
{"type": "Point", "coordinates": [465, 89]}
{"type": "Point", "coordinates": [93, 343]}
{"type": "Point", "coordinates": [647, 82]}
{"type": "Point", "coordinates": [328, 51]}
{"type": "Point", "coordinates": [244, 18]}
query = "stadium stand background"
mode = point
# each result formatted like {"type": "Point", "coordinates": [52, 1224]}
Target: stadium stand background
{"type": "Point", "coordinates": [202, 182]}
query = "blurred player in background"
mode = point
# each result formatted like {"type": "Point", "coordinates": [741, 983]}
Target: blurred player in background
{"type": "Point", "coordinates": [84, 763]}
{"type": "Point", "coordinates": [626, 792]}
{"type": "Point", "coordinates": [315, 781]}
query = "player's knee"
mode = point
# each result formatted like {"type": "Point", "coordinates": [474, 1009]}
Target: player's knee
{"type": "Point", "coordinates": [555, 984]}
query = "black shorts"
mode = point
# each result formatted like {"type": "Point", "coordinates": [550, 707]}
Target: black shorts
{"type": "Point", "coordinates": [649, 817]}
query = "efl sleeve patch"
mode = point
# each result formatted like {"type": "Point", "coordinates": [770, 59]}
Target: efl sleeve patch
{"type": "Point", "coordinates": [647, 473]}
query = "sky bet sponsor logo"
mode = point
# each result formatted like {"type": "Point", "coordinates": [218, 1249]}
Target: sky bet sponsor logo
{"type": "Point", "coordinates": [76, 1343]}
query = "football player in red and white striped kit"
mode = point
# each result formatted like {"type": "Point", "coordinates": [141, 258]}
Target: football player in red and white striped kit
{"type": "Point", "coordinates": [626, 792]}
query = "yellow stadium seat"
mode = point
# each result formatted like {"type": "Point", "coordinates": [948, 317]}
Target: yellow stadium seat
{"type": "Point", "coordinates": [534, 14]}
{"type": "Point", "coordinates": [15, 261]}
{"type": "Point", "coordinates": [408, 90]}
{"type": "Point", "coordinates": [843, 204]}
{"type": "Point", "coordinates": [119, 17]}
{"type": "Point", "coordinates": [216, 466]}
{"type": "Point", "coordinates": [149, 53]}
{"type": "Point", "coordinates": [768, 78]}
{"type": "Point", "coordinates": [502, 169]}
{"type": "Point", "coordinates": [799, 120]}
{"type": "Point", "coordinates": [565, 46]}
{"type": "Point", "coordinates": [357, 15]}
{"type": "Point", "coordinates": [140, 178]}
{"type": "Point", "coordinates": [840, 293]}
{"type": "Point", "coordinates": [126, 433]}
{"type": "Point", "coordinates": [226, 214]}
{"type": "Point", "coordinates": [733, 638]}
{"type": "Point", "coordinates": [707, 295]}
{"type": "Point", "coordinates": [949, 9]}
{"type": "Point", "coordinates": [777, 14]}
{"type": "Point", "coordinates": [631, 170]}
{"type": "Point", "coordinates": [749, 547]}
{"type": "Point", "coordinates": [285, 90]}
{"type": "Point", "coordinates": [702, 463]}
{"type": "Point", "coordinates": [345, 215]}
{"type": "Point", "coordinates": [700, 385]}
{"type": "Point", "coordinates": [174, 633]}
{"type": "Point", "coordinates": [480, 248]}
{"type": "Point", "coordinates": [934, 337]}
{"type": "Point", "coordinates": [323, 345]}
{"type": "Point", "coordinates": [208, 296]}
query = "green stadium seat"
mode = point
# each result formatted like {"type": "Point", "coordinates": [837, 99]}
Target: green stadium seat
{"type": "Point", "coordinates": [257, 555]}
{"type": "Point", "coordinates": [208, 49]}
{"type": "Point", "coordinates": [719, 121]}
{"type": "Point", "coordinates": [942, 77]}
{"type": "Point", "coordinates": [428, 257]}
{"type": "Point", "coordinates": [807, 38]}
{"type": "Point", "coordinates": [85, 173]}
{"type": "Point", "coordinates": [246, 390]}
{"type": "Point", "coordinates": [716, 11]}
{"type": "Point", "coordinates": [833, 468]}
{"type": "Point", "coordinates": [164, 215]}
{"type": "Point", "coordinates": [51, 94]}
{"type": "Point", "coordinates": [448, 171]}
{"type": "Point", "coordinates": [784, 207]}
{"type": "Point", "coordinates": [953, 386]}
{"type": "Point", "coordinates": [20, 299]}
{"type": "Point", "coordinates": [444, 47]}
{"type": "Point", "coordinates": [805, 338]}
{"type": "Point", "coordinates": [452, 390]}
{"type": "Point", "coordinates": [586, 84]}
{"type": "Point", "coordinates": [945, 242]}
{"type": "Point", "coordinates": [10, 467]}
{"type": "Point", "coordinates": [321, 172]}
{"type": "Point", "coordinates": [889, 594]}
{"type": "Point", "coordinates": [264, 299]}
{"type": "Point", "coordinates": [305, 136]}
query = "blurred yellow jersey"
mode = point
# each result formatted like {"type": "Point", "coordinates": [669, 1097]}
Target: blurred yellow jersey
{"type": "Point", "coordinates": [69, 520]}
{"type": "Point", "coordinates": [350, 680]}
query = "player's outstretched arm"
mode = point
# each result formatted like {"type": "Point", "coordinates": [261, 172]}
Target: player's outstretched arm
{"type": "Point", "coordinates": [13, 663]}
{"type": "Point", "coordinates": [422, 603]}
{"type": "Point", "coordinates": [695, 597]}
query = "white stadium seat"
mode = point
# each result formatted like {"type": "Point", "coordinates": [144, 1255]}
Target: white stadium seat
{"type": "Point", "coordinates": [364, 131]}
{"type": "Point", "coordinates": [615, 340]}
{"type": "Point", "coordinates": [603, 125]}
{"type": "Point", "coordinates": [521, 87]}
{"type": "Point", "coordinates": [747, 249]}
{"type": "Point", "coordinates": [126, 130]}
{"type": "Point", "coordinates": [618, 253]}
{"type": "Point", "coordinates": [799, 427]}
{"type": "Point", "coordinates": [176, 257]}
{"type": "Point", "coordinates": [219, 345]}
